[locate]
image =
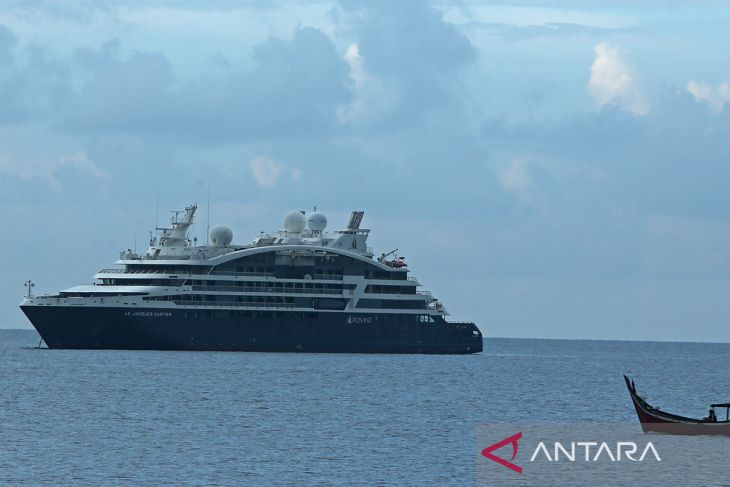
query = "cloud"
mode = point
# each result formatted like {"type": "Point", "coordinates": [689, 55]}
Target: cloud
{"type": "Point", "coordinates": [670, 161]}
{"type": "Point", "coordinates": [373, 99]}
{"type": "Point", "coordinates": [291, 88]}
{"type": "Point", "coordinates": [296, 174]}
{"type": "Point", "coordinates": [409, 46]}
{"type": "Point", "coordinates": [48, 169]}
{"type": "Point", "coordinates": [357, 71]}
{"type": "Point", "coordinates": [715, 96]}
{"type": "Point", "coordinates": [31, 82]}
{"type": "Point", "coordinates": [267, 171]}
{"type": "Point", "coordinates": [526, 180]}
{"type": "Point", "coordinates": [549, 30]}
{"type": "Point", "coordinates": [123, 93]}
{"type": "Point", "coordinates": [515, 177]}
{"type": "Point", "coordinates": [613, 83]}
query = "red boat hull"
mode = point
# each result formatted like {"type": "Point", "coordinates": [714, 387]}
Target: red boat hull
{"type": "Point", "coordinates": [654, 420]}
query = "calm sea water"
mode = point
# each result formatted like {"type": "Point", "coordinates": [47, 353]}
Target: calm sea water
{"type": "Point", "coordinates": [180, 418]}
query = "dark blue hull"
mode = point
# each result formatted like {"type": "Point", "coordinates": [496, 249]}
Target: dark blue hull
{"type": "Point", "coordinates": [270, 331]}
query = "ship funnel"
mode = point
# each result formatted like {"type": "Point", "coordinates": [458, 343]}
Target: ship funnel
{"type": "Point", "coordinates": [355, 219]}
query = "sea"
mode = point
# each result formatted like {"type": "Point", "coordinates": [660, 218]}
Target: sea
{"type": "Point", "coordinates": [207, 418]}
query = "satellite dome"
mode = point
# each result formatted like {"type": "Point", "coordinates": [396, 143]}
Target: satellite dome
{"type": "Point", "coordinates": [295, 222]}
{"type": "Point", "coordinates": [317, 222]}
{"type": "Point", "coordinates": [221, 236]}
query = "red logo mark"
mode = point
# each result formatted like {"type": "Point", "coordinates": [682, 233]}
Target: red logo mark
{"type": "Point", "coordinates": [512, 440]}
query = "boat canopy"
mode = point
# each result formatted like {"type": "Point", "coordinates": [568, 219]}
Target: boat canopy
{"type": "Point", "coordinates": [725, 405]}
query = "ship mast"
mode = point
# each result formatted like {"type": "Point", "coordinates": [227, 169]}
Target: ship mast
{"type": "Point", "coordinates": [177, 234]}
{"type": "Point", "coordinates": [30, 285]}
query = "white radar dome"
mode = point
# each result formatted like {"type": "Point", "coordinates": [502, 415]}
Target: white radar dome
{"type": "Point", "coordinates": [317, 222]}
{"type": "Point", "coordinates": [295, 222]}
{"type": "Point", "coordinates": [221, 236]}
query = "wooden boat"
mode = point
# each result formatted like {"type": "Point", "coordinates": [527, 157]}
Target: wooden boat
{"type": "Point", "coordinates": [653, 420]}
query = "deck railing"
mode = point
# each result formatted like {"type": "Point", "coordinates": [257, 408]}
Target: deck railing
{"type": "Point", "coordinates": [149, 271]}
{"type": "Point", "coordinates": [177, 272]}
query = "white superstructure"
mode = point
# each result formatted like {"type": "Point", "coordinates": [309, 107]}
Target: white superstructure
{"type": "Point", "coordinates": [302, 267]}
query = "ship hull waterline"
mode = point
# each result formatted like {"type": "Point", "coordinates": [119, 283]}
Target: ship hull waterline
{"type": "Point", "coordinates": [111, 328]}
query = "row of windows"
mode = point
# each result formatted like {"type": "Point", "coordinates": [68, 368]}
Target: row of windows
{"type": "Point", "coordinates": [225, 313]}
{"type": "Point", "coordinates": [141, 282]}
{"type": "Point", "coordinates": [290, 272]}
{"type": "Point", "coordinates": [243, 286]}
{"type": "Point", "coordinates": [149, 269]}
{"type": "Point", "coordinates": [265, 263]}
{"type": "Point", "coordinates": [221, 299]}
{"type": "Point", "coordinates": [267, 285]}
{"type": "Point", "coordinates": [96, 295]}
{"type": "Point", "coordinates": [268, 289]}
{"type": "Point", "coordinates": [321, 303]}
{"type": "Point", "coordinates": [380, 274]}
{"type": "Point", "coordinates": [244, 270]}
{"type": "Point", "coordinates": [285, 301]}
{"type": "Point", "coordinates": [304, 315]}
{"type": "Point", "coordinates": [391, 304]}
{"type": "Point", "coordinates": [329, 267]}
{"type": "Point", "coordinates": [378, 289]}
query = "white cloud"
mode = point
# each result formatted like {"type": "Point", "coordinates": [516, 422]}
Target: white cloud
{"type": "Point", "coordinates": [515, 178]}
{"type": "Point", "coordinates": [296, 174]}
{"type": "Point", "coordinates": [81, 162]}
{"type": "Point", "coordinates": [357, 71]}
{"type": "Point", "coordinates": [47, 169]}
{"type": "Point", "coordinates": [613, 83]}
{"type": "Point", "coordinates": [267, 171]}
{"type": "Point", "coordinates": [715, 96]}
{"type": "Point", "coordinates": [372, 97]}
{"type": "Point", "coordinates": [465, 13]}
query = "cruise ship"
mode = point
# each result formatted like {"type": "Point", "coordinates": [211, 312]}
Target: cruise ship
{"type": "Point", "coordinates": [301, 289]}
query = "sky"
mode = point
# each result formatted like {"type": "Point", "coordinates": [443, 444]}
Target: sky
{"type": "Point", "coordinates": [548, 169]}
